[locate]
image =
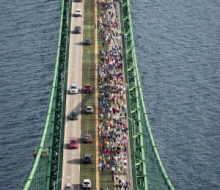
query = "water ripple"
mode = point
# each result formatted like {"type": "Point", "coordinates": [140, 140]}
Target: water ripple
{"type": "Point", "coordinates": [178, 45]}
{"type": "Point", "coordinates": [29, 35]}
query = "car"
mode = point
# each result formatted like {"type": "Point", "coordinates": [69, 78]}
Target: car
{"type": "Point", "coordinates": [68, 186]}
{"type": "Point", "coordinates": [74, 115]}
{"type": "Point", "coordinates": [87, 138]}
{"type": "Point", "coordinates": [77, 29]}
{"type": "Point", "coordinates": [78, 12]}
{"type": "Point", "coordinates": [89, 109]}
{"type": "Point", "coordinates": [73, 89]}
{"type": "Point", "coordinates": [87, 159]}
{"type": "Point", "coordinates": [87, 42]}
{"type": "Point", "coordinates": [73, 143]}
{"type": "Point", "coordinates": [86, 183]}
{"type": "Point", "coordinates": [88, 88]}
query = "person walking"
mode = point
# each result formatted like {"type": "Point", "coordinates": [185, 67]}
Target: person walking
{"type": "Point", "coordinates": [113, 177]}
{"type": "Point", "coordinates": [103, 167]}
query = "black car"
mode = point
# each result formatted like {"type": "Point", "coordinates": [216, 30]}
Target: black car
{"type": "Point", "coordinates": [77, 29]}
{"type": "Point", "coordinates": [87, 159]}
{"type": "Point", "coordinates": [87, 42]}
{"type": "Point", "coordinates": [74, 115]}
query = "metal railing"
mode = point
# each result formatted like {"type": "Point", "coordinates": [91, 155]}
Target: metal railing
{"type": "Point", "coordinates": [47, 164]}
{"type": "Point", "coordinates": [147, 169]}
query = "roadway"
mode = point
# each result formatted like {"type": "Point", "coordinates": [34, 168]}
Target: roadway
{"type": "Point", "coordinates": [71, 157]}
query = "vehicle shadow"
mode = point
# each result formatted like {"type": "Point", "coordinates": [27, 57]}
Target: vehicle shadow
{"type": "Point", "coordinates": [77, 1]}
{"type": "Point", "coordinates": [79, 43]}
{"type": "Point", "coordinates": [75, 161]}
{"type": "Point", "coordinates": [72, 32]}
{"type": "Point", "coordinates": [81, 140]}
{"type": "Point", "coordinates": [80, 91]}
{"type": "Point", "coordinates": [76, 186]}
{"type": "Point", "coordinates": [66, 146]}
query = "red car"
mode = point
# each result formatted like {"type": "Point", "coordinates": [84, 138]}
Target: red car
{"type": "Point", "coordinates": [73, 143]}
{"type": "Point", "coordinates": [87, 138]}
{"type": "Point", "coordinates": [88, 88]}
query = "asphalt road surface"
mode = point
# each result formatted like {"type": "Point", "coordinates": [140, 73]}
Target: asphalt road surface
{"type": "Point", "coordinates": [71, 157]}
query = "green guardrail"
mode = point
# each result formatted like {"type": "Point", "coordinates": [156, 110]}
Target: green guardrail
{"type": "Point", "coordinates": [147, 168]}
{"type": "Point", "coordinates": [47, 166]}
{"type": "Point", "coordinates": [64, 86]}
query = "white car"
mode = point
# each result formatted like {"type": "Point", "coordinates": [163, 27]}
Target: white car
{"type": "Point", "coordinates": [86, 184]}
{"type": "Point", "coordinates": [78, 12]}
{"type": "Point", "coordinates": [89, 109]}
{"type": "Point", "coordinates": [73, 89]}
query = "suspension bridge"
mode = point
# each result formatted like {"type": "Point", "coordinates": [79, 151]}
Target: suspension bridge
{"type": "Point", "coordinates": [45, 169]}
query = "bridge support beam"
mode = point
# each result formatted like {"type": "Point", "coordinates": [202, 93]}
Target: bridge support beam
{"type": "Point", "coordinates": [144, 157]}
{"type": "Point", "coordinates": [47, 166]}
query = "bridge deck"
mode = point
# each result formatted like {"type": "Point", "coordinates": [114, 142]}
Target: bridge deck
{"type": "Point", "coordinates": [71, 158]}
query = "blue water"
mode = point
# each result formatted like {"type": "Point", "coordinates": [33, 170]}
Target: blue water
{"type": "Point", "coordinates": [28, 42]}
{"type": "Point", "coordinates": [178, 52]}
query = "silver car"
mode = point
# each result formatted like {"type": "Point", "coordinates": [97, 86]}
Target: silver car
{"type": "Point", "coordinates": [89, 109]}
{"type": "Point", "coordinates": [78, 12]}
{"type": "Point", "coordinates": [68, 186]}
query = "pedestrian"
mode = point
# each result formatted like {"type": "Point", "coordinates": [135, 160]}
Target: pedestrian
{"type": "Point", "coordinates": [34, 154]}
{"type": "Point", "coordinates": [116, 177]}
{"type": "Point", "coordinates": [112, 177]}
{"type": "Point", "coordinates": [103, 44]}
{"type": "Point", "coordinates": [125, 186]}
{"type": "Point", "coordinates": [100, 146]}
{"type": "Point", "coordinates": [122, 182]}
{"type": "Point", "coordinates": [102, 167]}
{"type": "Point", "coordinates": [120, 186]}
{"type": "Point", "coordinates": [116, 186]}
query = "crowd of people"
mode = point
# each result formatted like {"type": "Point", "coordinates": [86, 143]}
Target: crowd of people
{"type": "Point", "coordinates": [113, 129]}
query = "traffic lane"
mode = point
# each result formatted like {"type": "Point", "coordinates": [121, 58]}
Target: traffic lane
{"type": "Point", "coordinates": [77, 21]}
{"type": "Point", "coordinates": [71, 158]}
{"type": "Point", "coordinates": [72, 174]}
{"type": "Point", "coordinates": [71, 161]}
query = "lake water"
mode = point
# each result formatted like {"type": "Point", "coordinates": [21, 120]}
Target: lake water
{"type": "Point", "coordinates": [178, 52]}
{"type": "Point", "coordinates": [29, 34]}
{"type": "Point", "coordinates": [177, 44]}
